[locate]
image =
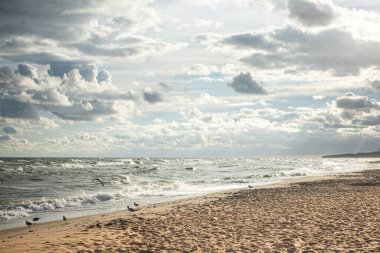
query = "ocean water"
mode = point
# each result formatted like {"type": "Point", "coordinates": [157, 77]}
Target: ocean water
{"type": "Point", "coordinates": [51, 187]}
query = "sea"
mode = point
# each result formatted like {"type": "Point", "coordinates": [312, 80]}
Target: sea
{"type": "Point", "coordinates": [49, 188]}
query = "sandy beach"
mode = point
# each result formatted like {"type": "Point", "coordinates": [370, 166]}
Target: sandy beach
{"type": "Point", "coordinates": [334, 214]}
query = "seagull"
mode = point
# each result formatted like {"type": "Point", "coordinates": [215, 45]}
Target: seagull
{"type": "Point", "coordinates": [36, 219]}
{"type": "Point", "coordinates": [250, 186]}
{"type": "Point", "coordinates": [135, 204]}
{"type": "Point", "coordinates": [98, 179]}
{"type": "Point", "coordinates": [64, 219]}
{"type": "Point", "coordinates": [131, 209]}
{"type": "Point", "coordinates": [28, 223]}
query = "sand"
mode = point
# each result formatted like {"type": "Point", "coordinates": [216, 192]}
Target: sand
{"type": "Point", "coordinates": [338, 214]}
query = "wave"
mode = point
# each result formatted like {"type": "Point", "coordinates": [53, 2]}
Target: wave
{"type": "Point", "coordinates": [25, 208]}
{"type": "Point", "coordinates": [110, 163]}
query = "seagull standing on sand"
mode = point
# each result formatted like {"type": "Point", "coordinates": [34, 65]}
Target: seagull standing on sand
{"type": "Point", "coordinates": [98, 179]}
{"type": "Point", "coordinates": [131, 209]}
{"type": "Point", "coordinates": [64, 218]}
{"type": "Point", "coordinates": [28, 223]}
{"type": "Point", "coordinates": [135, 204]}
{"type": "Point", "coordinates": [250, 186]}
{"type": "Point", "coordinates": [36, 219]}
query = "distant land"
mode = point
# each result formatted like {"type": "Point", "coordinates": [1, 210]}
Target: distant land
{"type": "Point", "coordinates": [375, 154]}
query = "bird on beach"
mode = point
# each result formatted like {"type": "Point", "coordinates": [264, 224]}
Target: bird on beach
{"type": "Point", "coordinates": [131, 209]}
{"type": "Point", "coordinates": [135, 204]}
{"type": "Point", "coordinates": [98, 179]}
{"type": "Point", "coordinates": [64, 219]}
{"type": "Point", "coordinates": [28, 223]}
{"type": "Point", "coordinates": [36, 219]}
{"type": "Point", "coordinates": [250, 186]}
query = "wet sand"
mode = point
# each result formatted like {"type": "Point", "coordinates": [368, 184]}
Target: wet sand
{"type": "Point", "coordinates": [335, 214]}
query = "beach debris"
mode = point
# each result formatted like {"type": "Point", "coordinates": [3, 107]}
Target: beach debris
{"type": "Point", "coordinates": [36, 219]}
{"type": "Point", "coordinates": [64, 218]}
{"type": "Point", "coordinates": [28, 223]}
{"type": "Point", "coordinates": [131, 209]}
{"type": "Point", "coordinates": [98, 179]}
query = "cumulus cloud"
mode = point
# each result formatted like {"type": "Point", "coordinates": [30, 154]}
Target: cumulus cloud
{"type": "Point", "coordinates": [351, 101]}
{"type": "Point", "coordinates": [350, 111]}
{"type": "Point", "coordinates": [83, 93]}
{"type": "Point", "coordinates": [243, 83]}
{"type": "Point", "coordinates": [152, 97]}
{"type": "Point", "coordinates": [312, 12]}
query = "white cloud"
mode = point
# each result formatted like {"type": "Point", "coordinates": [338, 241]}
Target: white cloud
{"type": "Point", "coordinates": [200, 69]}
{"type": "Point", "coordinates": [318, 97]}
{"type": "Point", "coordinates": [26, 94]}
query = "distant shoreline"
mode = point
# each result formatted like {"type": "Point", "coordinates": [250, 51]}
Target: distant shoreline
{"type": "Point", "coordinates": [375, 154]}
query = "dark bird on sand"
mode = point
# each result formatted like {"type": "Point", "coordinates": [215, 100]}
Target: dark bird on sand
{"type": "Point", "coordinates": [131, 209]}
{"type": "Point", "coordinates": [64, 219]}
{"type": "Point", "coordinates": [250, 186]}
{"type": "Point", "coordinates": [135, 204]}
{"type": "Point", "coordinates": [28, 223]}
{"type": "Point", "coordinates": [98, 179]}
{"type": "Point", "coordinates": [36, 219]}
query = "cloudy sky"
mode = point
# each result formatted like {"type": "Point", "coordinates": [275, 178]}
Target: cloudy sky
{"type": "Point", "coordinates": [192, 78]}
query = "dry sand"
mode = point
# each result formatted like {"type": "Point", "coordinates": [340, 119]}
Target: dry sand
{"type": "Point", "coordinates": [340, 214]}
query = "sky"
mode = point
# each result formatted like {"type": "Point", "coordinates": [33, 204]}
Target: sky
{"type": "Point", "coordinates": [189, 78]}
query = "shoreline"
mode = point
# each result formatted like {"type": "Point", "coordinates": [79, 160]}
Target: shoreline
{"type": "Point", "coordinates": [274, 184]}
{"type": "Point", "coordinates": [96, 231]}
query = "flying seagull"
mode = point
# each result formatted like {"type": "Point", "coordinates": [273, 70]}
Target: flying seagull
{"type": "Point", "coordinates": [28, 223]}
{"type": "Point", "coordinates": [36, 219]}
{"type": "Point", "coordinates": [98, 179]}
{"type": "Point", "coordinates": [131, 209]}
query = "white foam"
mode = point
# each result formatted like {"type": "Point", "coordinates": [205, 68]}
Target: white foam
{"type": "Point", "coordinates": [14, 213]}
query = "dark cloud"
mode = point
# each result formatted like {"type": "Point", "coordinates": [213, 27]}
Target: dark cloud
{"type": "Point", "coordinates": [27, 70]}
{"type": "Point", "coordinates": [152, 97]}
{"type": "Point", "coordinates": [353, 102]}
{"type": "Point", "coordinates": [12, 108]}
{"type": "Point", "coordinates": [103, 76]}
{"type": "Point", "coordinates": [248, 40]}
{"type": "Point", "coordinates": [85, 110]}
{"type": "Point", "coordinates": [61, 68]}
{"type": "Point", "coordinates": [9, 130]}
{"type": "Point", "coordinates": [5, 137]}
{"type": "Point", "coordinates": [376, 84]}
{"type": "Point", "coordinates": [243, 83]}
{"type": "Point", "coordinates": [59, 31]}
{"type": "Point", "coordinates": [328, 50]}
{"type": "Point", "coordinates": [312, 12]}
